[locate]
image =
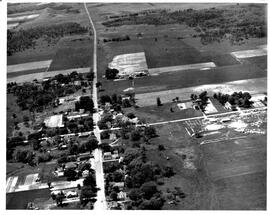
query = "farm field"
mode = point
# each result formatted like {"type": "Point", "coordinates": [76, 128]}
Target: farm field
{"type": "Point", "coordinates": [42, 52]}
{"type": "Point", "coordinates": [186, 79]}
{"type": "Point", "coordinates": [72, 52]}
{"type": "Point", "coordinates": [252, 86]}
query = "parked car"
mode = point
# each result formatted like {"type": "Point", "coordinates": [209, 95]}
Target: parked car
{"type": "Point", "coordinates": [71, 194]}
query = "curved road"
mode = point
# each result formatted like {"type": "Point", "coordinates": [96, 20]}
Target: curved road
{"type": "Point", "coordinates": [100, 204]}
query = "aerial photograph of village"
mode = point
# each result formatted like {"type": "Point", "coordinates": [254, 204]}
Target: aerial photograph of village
{"type": "Point", "coordinates": [136, 106]}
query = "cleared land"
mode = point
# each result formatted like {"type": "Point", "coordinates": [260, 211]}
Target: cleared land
{"type": "Point", "coordinates": [200, 66]}
{"type": "Point", "coordinates": [128, 64]}
{"type": "Point", "coordinates": [41, 75]}
{"type": "Point", "coordinates": [28, 66]}
{"type": "Point", "coordinates": [252, 86]}
{"type": "Point", "coordinates": [21, 18]}
{"type": "Point", "coordinates": [54, 121]}
{"type": "Point", "coordinates": [249, 53]}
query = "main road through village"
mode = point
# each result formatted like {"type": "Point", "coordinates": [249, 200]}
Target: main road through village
{"type": "Point", "coordinates": [100, 204]}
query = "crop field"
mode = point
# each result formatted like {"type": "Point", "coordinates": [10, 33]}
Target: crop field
{"type": "Point", "coordinates": [165, 52]}
{"type": "Point", "coordinates": [73, 52]}
{"type": "Point", "coordinates": [40, 75]}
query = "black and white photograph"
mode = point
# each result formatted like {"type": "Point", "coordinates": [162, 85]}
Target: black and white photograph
{"type": "Point", "coordinates": [135, 105]}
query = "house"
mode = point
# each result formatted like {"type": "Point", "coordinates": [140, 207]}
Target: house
{"type": "Point", "coordinates": [113, 137]}
{"type": "Point", "coordinates": [85, 173]}
{"type": "Point", "coordinates": [228, 106]}
{"type": "Point", "coordinates": [122, 195]}
{"type": "Point", "coordinates": [107, 156]}
{"type": "Point", "coordinates": [120, 185]}
{"type": "Point", "coordinates": [70, 165]}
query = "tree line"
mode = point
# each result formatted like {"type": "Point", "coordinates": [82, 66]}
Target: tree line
{"type": "Point", "coordinates": [235, 23]}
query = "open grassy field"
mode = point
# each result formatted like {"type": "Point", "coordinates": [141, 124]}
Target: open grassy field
{"type": "Point", "coordinates": [57, 13]}
{"type": "Point", "coordinates": [237, 170]}
{"type": "Point", "coordinates": [229, 174]}
{"type": "Point", "coordinates": [73, 52]}
{"type": "Point", "coordinates": [252, 86]}
{"type": "Point", "coordinates": [19, 200]}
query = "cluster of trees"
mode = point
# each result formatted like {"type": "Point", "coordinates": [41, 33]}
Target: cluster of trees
{"type": "Point", "coordinates": [85, 103]}
{"type": "Point", "coordinates": [142, 177]}
{"type": "Point", "coordinates": [111, 73]}
{"type": "Point", "coordinates": [237, 98]}
{"type": "Point", "coordinates": [239, 22]}
{"type": "Point", "coordinates": [117, 39]}
{"type": "Point", "coordinates": [201, 100]}
{"type": "Point", "coordinates": [79, 124]}
{"type": "Point", "coordinates": [24, 39]}
{"type": "Point", "coordinates": [88, 190]}
{"type": "Point", "coordinates": [35, 97]}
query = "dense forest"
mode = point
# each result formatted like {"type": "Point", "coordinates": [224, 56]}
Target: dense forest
{"type": "Point", "coordinates": [236, 23]}
{"type": "Point", "coordinates": [25, 39]}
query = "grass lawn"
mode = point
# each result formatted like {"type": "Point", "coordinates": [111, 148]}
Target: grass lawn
{"type": "Point", "coordinates": [162, 113]}
{"type": "Point", "coordinates": [73, 52]}
{"type": "Point", "coordinates": [19, 200]}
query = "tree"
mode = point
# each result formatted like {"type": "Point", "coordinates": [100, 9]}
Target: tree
{"type": "Point", "coordinates": [149, 189]}
{"type": "Point", "coordinates": [35, 144]}
{"type": "Point", "coordinates": [113, 196]}
{"type": "Point", "coordinates": [161, 147]}
{"type": "Point", "coordinates": [135, 194]}
{"type": "Point", "coordinates": [90, 76]}
{"type": "Point", "coordinates": [168, 171]}
{"type": "Point", "coordinates": [70, 174]}
{"type": "Point", "coordinates": [105, 99]}
{"type": "Point", "coordinates": [158, 102]}
{"type": "Point", "coordinates": [59, 198]}
{"type": "Point", "coordinates": [85, 103]}
{"type": "Point", "coordinates": [111, 73]}
{"type": "Point", "coordinates": [150, 131]}
{"type": "Point", "coordinates": [90, 181]}
{"type": "Point", "coordinates": [135, 135]}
